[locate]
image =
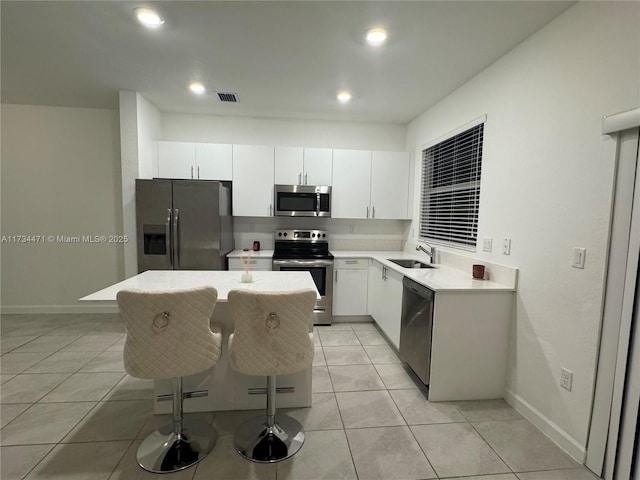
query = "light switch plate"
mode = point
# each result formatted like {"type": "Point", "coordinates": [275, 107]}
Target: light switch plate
{"type": "Point", "coordinates": [579, 255]}
{"type": "Point", "coordinates": [506, 246]}
{"type": "Point", "coordinates": [487, 244]}
{"type": "Point", "coordinates": [566, 379]}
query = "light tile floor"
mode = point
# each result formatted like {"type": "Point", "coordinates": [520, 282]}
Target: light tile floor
{"type": "Point", "coordinates": [70, 412]}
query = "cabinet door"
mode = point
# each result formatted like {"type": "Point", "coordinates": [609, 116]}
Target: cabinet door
{"type": "Point", "coordinates": [176, 159]}
{"type": "Point", "coordinates": [351, 184]}
{"type": "Point", "coordinates": [393, 306]}
{"type": "Point", "coordinates": [289, 166]}
{"type": "Point", "coordinates": [390, 185]}
{"type": "Point", "coordinates": [214, 161]}
{"type": "Point", "coordinates": [317, 166]}
{"type": "Point", "coordinates": [256, 264]}
{"type": "Point", "coordinates": [376, 292]}
{"type": "Point", "coordinates": [252, 181]}
{"type": "Point", "coordinates": [350, 291]}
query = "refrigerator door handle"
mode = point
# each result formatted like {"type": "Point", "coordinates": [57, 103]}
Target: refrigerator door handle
{"type": "Point", "coordinates": [167, 232]}
{"type": "Point", "coordinates": [176, 241]}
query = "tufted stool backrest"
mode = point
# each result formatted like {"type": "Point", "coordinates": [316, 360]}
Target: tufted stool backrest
{"type": "Point", "coordinates": [271, 331]}
{"type": "Point", "coordinates": [168, 333]}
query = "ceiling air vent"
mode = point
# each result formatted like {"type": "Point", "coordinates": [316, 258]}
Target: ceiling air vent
{"type": "Point", "coordinates": [227, 97]}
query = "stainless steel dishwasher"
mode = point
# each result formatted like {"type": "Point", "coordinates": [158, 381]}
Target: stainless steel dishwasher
{"type": "Point", "coordinates": [416, 326]}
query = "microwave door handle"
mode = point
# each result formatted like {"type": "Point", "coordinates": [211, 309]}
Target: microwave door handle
{"type": "Point", "coordinates": [317, 198]}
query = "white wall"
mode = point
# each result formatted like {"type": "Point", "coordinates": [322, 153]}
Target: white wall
{"type": "Point", "coordinates": [267, 131]}
{"type": "Point", "coordinates": [546, 183]}
{"type": "Point", "coordinates": [60, 176]}
{"type": "Point", "coordinates": [140, 128]}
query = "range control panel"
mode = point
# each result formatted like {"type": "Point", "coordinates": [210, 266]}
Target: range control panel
{"type": "Point", "coordinates": [302, 235]}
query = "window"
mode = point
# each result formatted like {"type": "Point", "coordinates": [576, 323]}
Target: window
{"type": "Point", "coordinates": [450, 194]}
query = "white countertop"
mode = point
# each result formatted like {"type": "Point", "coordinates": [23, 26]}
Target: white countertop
{"type": "Point", "coordinates": [443, 278]}
{"type": "Point", "coordinates": [223, 281]}
{"type": "Point", "coordinates": [440, 279]}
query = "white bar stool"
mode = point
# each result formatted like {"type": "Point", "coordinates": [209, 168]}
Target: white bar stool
{"type": "Point", "coordinates": [271, 337]}
{"type": "Point", "coordinates": [169, 336]}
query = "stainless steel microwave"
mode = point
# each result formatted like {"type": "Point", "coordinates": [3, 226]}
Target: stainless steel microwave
{"type": "Point", "coordinates": [303, 201]}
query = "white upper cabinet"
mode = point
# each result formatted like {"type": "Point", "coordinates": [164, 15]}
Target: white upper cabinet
{"type": "Point", "coordinates": [214, 161]}
{"type": "Point", "coordinates": [289, 165]}
{"type": "Point", "coordinates": [303, 166]}
{"type": "Point", "coordinates": [318, 163]}
{"type": "Point", "coordinates": [370, 184]}
{"type": "Point", "coordinates": [176, 159]}
{"type": "Point", "coordinates": [390, 185]}
{"type": "Point", "coordinates": [253, 179]}
{"type": "Point", "coordinates": [188, 160]}
{"type": "Point", "coordinates": [351, 184]}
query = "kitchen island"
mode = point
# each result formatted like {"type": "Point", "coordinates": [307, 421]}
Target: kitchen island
{"type": "Point", "coordinates": [225, 389]}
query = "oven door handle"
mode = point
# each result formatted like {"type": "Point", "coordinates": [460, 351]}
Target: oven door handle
{"type": "Point", "coordinates": [310, 263]}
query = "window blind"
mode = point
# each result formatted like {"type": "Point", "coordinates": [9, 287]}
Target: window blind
{"type": "Point", "coordinates": [450, 195]}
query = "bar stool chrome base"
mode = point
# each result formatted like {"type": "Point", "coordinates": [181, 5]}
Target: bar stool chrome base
{"type": "Point", "coordinates": [165, 451]}
{"type": "Point", "coordinates": [255, 440]}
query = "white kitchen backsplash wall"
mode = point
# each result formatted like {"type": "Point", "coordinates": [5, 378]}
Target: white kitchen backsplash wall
{"type": "Point", "coordinates": [344, 234]}
{"type": "Point", "coordinates": [547, 177]}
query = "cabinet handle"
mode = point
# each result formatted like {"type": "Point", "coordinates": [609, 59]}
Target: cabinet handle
{"type": "Point", "coordinates": [270, 209]}
{"type": "Point", "coordinates": [300, 178]}
{"type": "Point", "coordinates": [367, 211]}
{"type": "Point", "coordinates": [373, 212]}
{"type": "Point", "coordinates": [305, 179]}
{"type": "Point", "coordinates": [350, 262]}
{"type": "Point", "coordinates": [198, 172]}
{"type": "Point", "coordinates": [191, 172]}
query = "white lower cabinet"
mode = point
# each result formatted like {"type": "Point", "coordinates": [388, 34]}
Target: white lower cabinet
{"type": "Point", "coordinates": [256, 264]}
{"type": "Point", "coordinates": [470, 345]}
{"type": "Point", "coordinates": [385, 300]}
{"type": "Point", "coordinates": [350, 285]}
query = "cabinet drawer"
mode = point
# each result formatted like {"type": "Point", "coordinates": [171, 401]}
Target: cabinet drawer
{"type": "Point", "coordinates": [256, 264]}
{"type": "Point", "coordinates": [351, 263]}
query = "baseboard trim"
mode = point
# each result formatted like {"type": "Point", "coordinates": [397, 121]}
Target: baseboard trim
{"type": "Point", "coordinates": [546, 426]}
{"type": "Point", "coordinates": [42, 309]}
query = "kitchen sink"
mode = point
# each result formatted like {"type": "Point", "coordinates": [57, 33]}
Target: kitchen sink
{"type": "Point", "coordinates": [411, 263]}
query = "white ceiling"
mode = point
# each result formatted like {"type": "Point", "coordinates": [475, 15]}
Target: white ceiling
{"type": "Point", "coordinates": [283, 59]}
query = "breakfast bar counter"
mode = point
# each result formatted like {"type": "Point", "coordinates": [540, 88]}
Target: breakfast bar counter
{"type": "Point", "coordinates": [225, 389]}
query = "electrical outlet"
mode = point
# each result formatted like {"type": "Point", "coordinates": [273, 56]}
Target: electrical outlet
{"type": "Point", "coordinates": [506, 246]}
{"type": "Point", "coordinates": [487, 244]}
{"type": "Point", "coordinates": [579, 255]}
{"type": "Point", "coordinates": [566, 378]}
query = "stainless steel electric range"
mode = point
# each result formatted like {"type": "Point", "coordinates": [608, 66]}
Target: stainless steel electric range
{"type": "Point", "coordinates": [308, 250]}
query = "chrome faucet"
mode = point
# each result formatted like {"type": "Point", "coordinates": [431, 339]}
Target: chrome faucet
{"type": "Point", "coordinates": [431, 252]}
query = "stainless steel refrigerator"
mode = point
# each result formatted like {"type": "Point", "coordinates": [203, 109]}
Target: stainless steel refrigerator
{"type": "Point", "coordinates": [183, 224]}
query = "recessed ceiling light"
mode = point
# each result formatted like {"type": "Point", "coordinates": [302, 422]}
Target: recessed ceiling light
{"type": "Point", "coordinates": [344, 96]}
{"type": "Point", "coordinates": [149, 18]}
{"type": "Point", "coordinates": [376, 36]}
{"type": "Point", "coordinates": [197, 88]}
